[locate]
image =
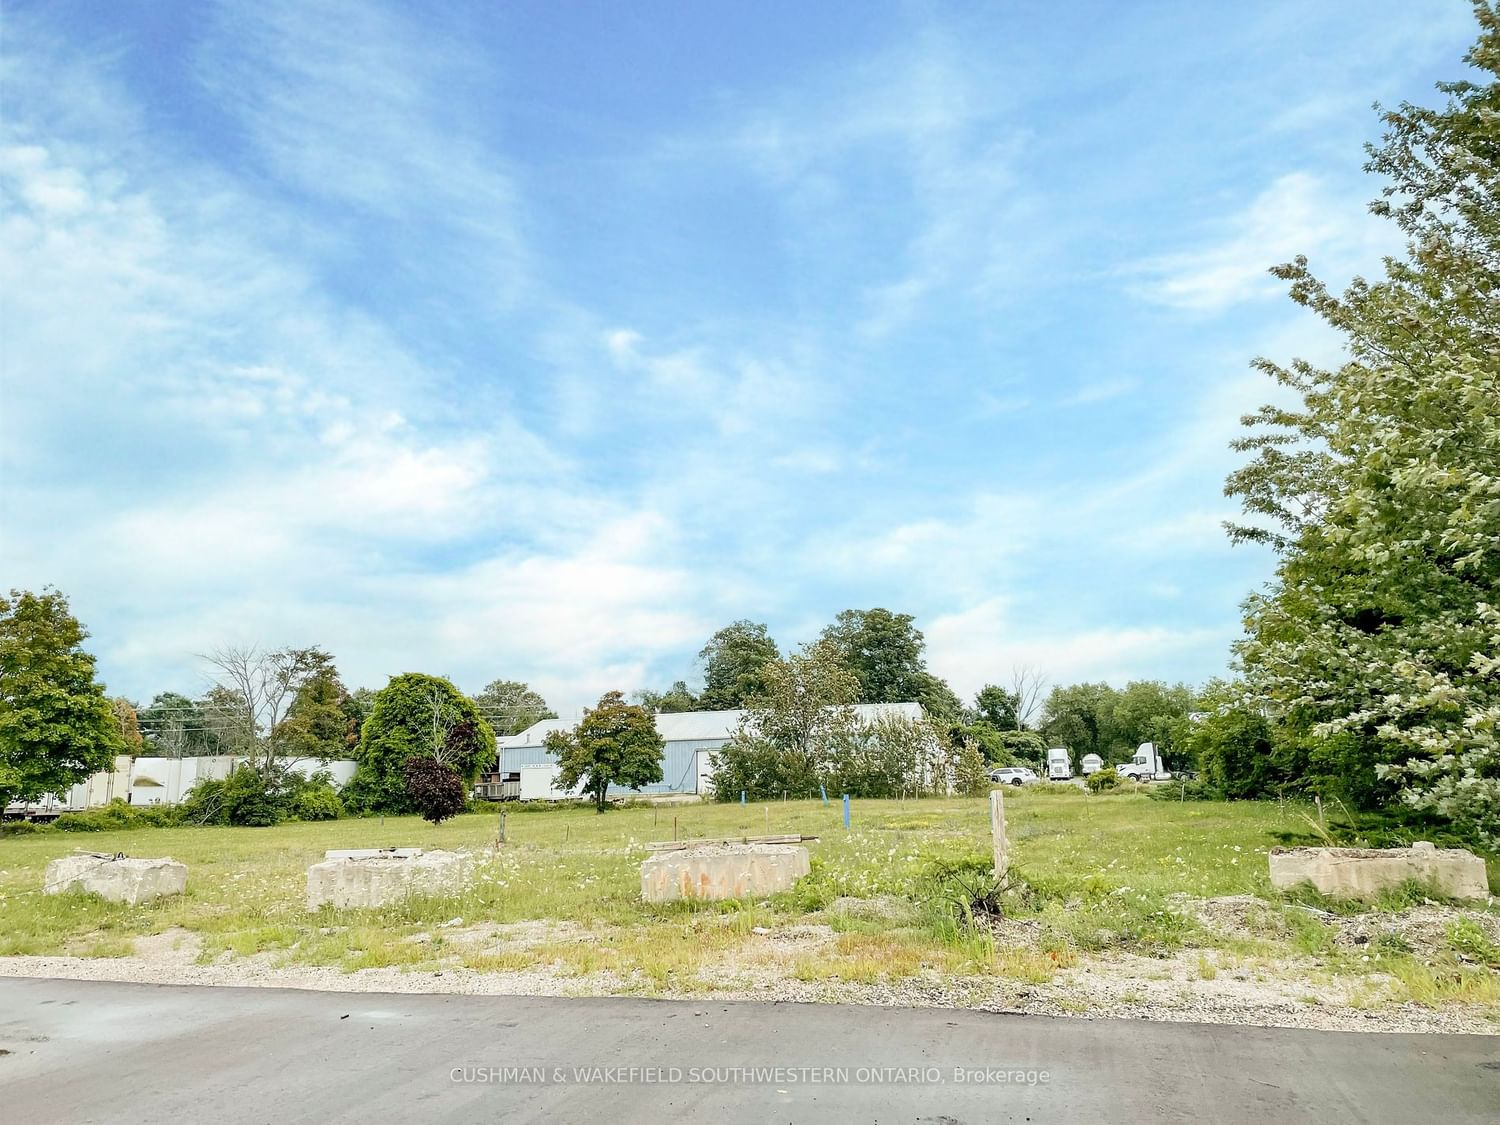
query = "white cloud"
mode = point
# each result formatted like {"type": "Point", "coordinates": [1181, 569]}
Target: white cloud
{"type": "Point", "coordinates": [364, 105]}
{"type": "Point", "coordinates": [1100, 390]}
{"type": "Point", "coordinates": [982, 643]}
{"type": "Point", "coordinates": [1298, 213]}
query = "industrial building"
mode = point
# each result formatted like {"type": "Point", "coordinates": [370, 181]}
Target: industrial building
{"type": "Point", "coordinates": [525, 770]}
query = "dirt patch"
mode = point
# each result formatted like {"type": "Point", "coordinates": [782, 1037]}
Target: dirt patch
{"type": "Point", "coordinates": [174, 946]}
{"type": "Point", "coordinates": [1235, 916]}
{"type": "Point", "coordinates": [1421, 930]}
{"type": "Point", "coordinates": [881, 908]}
{"type": "Point", "coordinates": [496, 936]}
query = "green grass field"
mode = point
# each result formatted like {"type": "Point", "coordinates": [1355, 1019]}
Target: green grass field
{"type": "Point", "coordinates": [1093, 874]}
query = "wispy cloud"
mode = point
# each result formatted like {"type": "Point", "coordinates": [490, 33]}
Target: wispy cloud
{"type": "Point", "coordinates": [363, 106]}
{"type": "Point", "coordinates": [983, 643]}
{"type": "Point", "coordinates": [1298, 213]}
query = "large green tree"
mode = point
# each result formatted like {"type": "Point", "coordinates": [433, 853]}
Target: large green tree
{"type": "Point", "coordinates": [615, 743]}
{"type": "Point", "coordinates": [1148, 711]}
{"type": "Point", "coordinates": [807, 701]}
{"type": "Point", "coordinates": [174, 726]}
{"type": "Point", "coordinates": [734, 662]}
{"type": "Point", "coordinates": [677, 698]}
{"type": "Point", "coordinates": [802, 731]}
{"type": "Point", "coordinates": [56, 724]}
{"type": "Point", "coordinates": [320, 723]}
{"type": "Point", "coordinates": [416, 716]}
{"type": "Point", "coordinates": [510, 706]}
{"type": "Point", "coordinates": [884, 652]}
{"type": "Point", "coordinates": [998, 707]}
{"type": "Point", "coordinates": [1080, 717]}
{"type": "Point", "coordinates": [1380, 487]}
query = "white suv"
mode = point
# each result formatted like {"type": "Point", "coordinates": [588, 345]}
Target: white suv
{"type": "Point", "coordinates": [1014, 775]}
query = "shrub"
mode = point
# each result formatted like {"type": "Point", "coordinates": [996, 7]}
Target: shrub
{"type": "Point", "coordinates": [252, 800]}
{"type": "Point", "coordinates": [435, 790]}
{"type": "Point", "coordinates": [317, 801]}
{"type": "Point", "coordinates": [248, 798]}
{"type": "Point", "coordinates": [116, 816]}
{"type": "Point", "coordinates": [23, 827]}
{"type": "Point", "coordinates": [760, 769]}
{"type": "Point", "coordinates": [1235, 750]}
{"type": "Point", "coordinates": [204, 803]}
{"type": "Point", "coordinates": [1102, 779]}
{"type": "Point", "coordinates": [1180, 789]}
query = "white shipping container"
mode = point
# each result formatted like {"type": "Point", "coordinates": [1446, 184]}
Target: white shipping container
{"type": "Point", "coordinates": [538, 784]}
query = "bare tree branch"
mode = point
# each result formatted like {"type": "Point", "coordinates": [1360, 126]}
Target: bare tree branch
{"type": "Point", "coordinates": [1027, 683]}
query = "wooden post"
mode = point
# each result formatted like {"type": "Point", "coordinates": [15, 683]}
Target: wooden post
{"type": "Point", "coordinates": [997, 831]}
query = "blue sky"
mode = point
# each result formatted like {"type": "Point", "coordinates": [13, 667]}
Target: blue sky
{"type": "Point", "coordinates": [537, 341]}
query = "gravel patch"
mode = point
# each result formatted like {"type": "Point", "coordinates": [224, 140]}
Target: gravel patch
{"type": "Point", "coordinates": [1196, 986]}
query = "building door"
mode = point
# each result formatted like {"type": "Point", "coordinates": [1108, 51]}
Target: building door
{"type": "Point", "coordinates": [705, 773]}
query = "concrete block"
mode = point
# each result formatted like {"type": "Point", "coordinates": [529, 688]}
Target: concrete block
{"type": "Point", "coordinates": [1365, 872]}
{"type": "Point", "coordinates": [116, 879]}
{"type": "Point", "coordinates": [723, 871]}
{"type": "Point", "coordinates": [385, 878]}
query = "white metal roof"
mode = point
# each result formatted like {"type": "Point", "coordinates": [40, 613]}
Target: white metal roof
{"type": "Point", "coordinates": [699, 726]}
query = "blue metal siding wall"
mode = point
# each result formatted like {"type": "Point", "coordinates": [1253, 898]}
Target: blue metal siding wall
{"type": "Point", "coordinates": [677, 768]}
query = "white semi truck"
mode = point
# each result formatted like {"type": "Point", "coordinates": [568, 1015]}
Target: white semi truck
{"type": "Point", "coordinates": [1145, 766]}
{"type": "Point", "coordinates": [1059, 764]}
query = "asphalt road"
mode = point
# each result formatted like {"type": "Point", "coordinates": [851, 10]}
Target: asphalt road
{"type": "Point", "coordinates": [84, 1051]}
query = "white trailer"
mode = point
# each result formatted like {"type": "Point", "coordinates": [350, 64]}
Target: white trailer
{"type": "Point", "coordinates": [1145, 766]}
{"type": "Point", "coordinates": [1059, 764]}
{"type": "Point", "coordinates": [539, 783]}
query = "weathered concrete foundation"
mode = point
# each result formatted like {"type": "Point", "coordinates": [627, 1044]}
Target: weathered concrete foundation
{"type": "Point", "coordinates": [376, 878]}
{"type": "Point", "coordinates": [720, 871]}
{"type": "Point", "coordinates": [116, 878]}
{"type": "Point", "coordinates": [1365, 872]}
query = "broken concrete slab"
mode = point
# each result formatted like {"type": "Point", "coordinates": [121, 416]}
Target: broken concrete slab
{"type": "Point", "coordinates": [371, 853]}
{"type": "Point", "coordinates": [1365, 872]}
{"type": "Point", "coordinates": [722, 871]}
{"type": "Point", "coordinates": [385, 878]}
{"type": "Point", "coordinates": [116, 878]}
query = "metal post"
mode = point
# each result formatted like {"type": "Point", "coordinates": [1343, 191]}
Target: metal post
{"type": "Point", "coordinates": [823, 789]}
{"type": "Point", "coordinates": [742, 796]}
{"type": "Point", "coordinates": [846, 810]}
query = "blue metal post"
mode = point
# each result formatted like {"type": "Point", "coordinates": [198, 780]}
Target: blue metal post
{"type": "Point", "coordinates": [823, 789]}
{"type": "Point", "coordinates": [846, 810]}
{"type": "Point", "coordinates": [742, 796]}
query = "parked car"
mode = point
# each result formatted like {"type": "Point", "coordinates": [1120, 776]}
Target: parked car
{"type": "Point", "coordinates": [1014, 775]}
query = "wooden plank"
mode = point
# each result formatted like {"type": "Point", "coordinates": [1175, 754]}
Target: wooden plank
{"type": "Point", "coordinates": [678, 845]}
